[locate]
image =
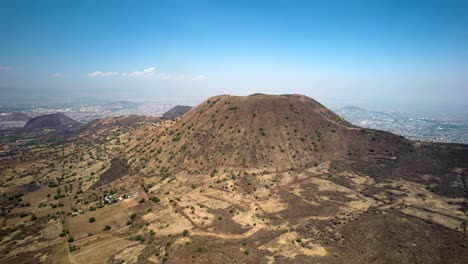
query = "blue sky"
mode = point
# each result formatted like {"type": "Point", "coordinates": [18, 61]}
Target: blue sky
{"type": "Point", "coordinates": [343, 51]}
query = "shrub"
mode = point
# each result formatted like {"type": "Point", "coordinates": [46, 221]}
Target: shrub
{"type": "Point", "coordinates": [185, 233]}
{"type": "Point", "coordinates": [107, 228]}
{"type": "Point", "coordinates": [142, 200]}
{"type": "Point", "coordinates": [70, 239]}
{"type": "Point", "coordinates": [133, 216]}
{"type": "Point", "coordinates": [73, 248]}
{"type": "Point", "coordinates": [92, 220]}
{"type": "Point", "coordinates": [155, 199]}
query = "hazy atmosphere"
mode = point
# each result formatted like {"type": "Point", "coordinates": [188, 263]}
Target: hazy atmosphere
{"type": "Point", "coordinates": [254, 132]}
{"type": "Point", "coordinates": [348, 52]}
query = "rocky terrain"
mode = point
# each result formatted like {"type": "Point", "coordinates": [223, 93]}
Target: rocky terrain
{"type": "Point", "coordinates": [237, 179]}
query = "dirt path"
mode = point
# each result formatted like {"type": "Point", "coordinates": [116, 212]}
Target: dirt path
{"type": "Point", "coordinates": [113, 239]}
{"type": "Point", "coordinates": [228, 236]}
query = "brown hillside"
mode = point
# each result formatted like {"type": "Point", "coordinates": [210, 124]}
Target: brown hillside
{"type": "Point", "coordinates": [263, 132]}
{"type": "Point", "coordinates": [57, 121]}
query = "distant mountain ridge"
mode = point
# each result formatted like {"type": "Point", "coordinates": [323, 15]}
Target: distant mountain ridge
{"type": "Point", "coordinates": [56, 121]}
{"type": "Point", "coordinates": [176, 112]}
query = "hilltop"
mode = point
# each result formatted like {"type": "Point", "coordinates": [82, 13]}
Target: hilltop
{"type": "Point", "coordinates": [56, 121]}
{"type": "Point", "coordinates": [273, 132]}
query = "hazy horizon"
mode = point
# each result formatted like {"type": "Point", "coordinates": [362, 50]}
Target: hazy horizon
{"type": "Point", "coordinates": [395, 52]}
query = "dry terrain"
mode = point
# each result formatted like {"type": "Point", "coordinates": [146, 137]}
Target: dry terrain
{"type": "Point", "coordinates": [254, 179]}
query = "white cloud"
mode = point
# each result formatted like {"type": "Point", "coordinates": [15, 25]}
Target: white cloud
{"type": "Point", "coordinates": [150, 73]}
{"type": "Point", "coordinates": [4, 68]}
{"type": "Point", "coordinates": [145, 73]}
{"type": "Point", "coordinates": [102, 74]}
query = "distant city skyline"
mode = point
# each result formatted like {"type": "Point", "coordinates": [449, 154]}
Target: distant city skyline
{"type": "Point", "coordinates": [402, 52]}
